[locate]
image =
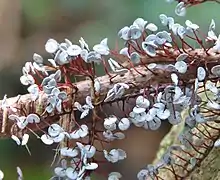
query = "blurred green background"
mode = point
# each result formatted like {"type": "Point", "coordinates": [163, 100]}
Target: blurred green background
{"type": "Point", "coordinates": [25, 25]}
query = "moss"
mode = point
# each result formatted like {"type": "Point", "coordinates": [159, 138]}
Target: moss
{"type": "Point", "coordinates": [209, 168]}
{"type": "Point", "coordinates": [167, 141]}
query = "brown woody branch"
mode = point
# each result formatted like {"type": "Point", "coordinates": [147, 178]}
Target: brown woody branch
{"type": "Point", "coordinates": [137, 78]}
